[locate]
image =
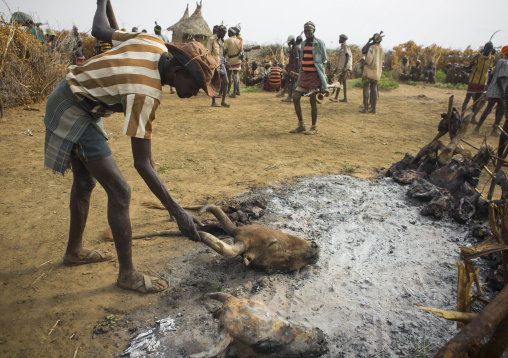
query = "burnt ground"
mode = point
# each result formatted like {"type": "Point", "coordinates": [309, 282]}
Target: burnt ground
{"type": "Point", "coordinates": [208, 155]}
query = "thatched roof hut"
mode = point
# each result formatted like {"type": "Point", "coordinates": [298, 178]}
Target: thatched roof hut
{"type": "Point", "coordinates": [176, 35]}
{"type": "Point", "coordinates": [191, 28]}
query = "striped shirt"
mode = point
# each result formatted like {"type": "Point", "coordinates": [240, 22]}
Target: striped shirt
{"type": "Point", "coordinates": [104, 46]}
{"type": "Point", "coordinates": [125, 79]}
{"type": "Point", "coordinates": [481, 66]}
{"type": "Point", "coordinates": [275, 76]}
{"type": "Point", "coordinates": [308, 58]}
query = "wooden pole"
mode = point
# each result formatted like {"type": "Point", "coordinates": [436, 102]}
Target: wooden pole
{"type": "Point", "coordinates": [449, 115]}
{"type": "Point", "coordinates": [471, 335]}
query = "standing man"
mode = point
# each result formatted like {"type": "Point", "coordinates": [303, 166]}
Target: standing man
{"type": "Point", "coordinates": [293, 65]}
{"type": "Point", "coordinates": [233, 48]}
{"type": "Point", "coordinates": [496, 85]}
{"type": "Point", "coordinates": [344, 67]}
{"type": "Point", "coordinates": [157, 30]}
{"type": "Point", "coordinates": [479, 66]}
{"type": "Point", "coordinates": [215, 45]}
{"type": "Point", "coordinates": [312, 78]}
{"type": "Point", "coordinates": [75, 137]}
{"type": "Point", "coordinates": [372, 71]}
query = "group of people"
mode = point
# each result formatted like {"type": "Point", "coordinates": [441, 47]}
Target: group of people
{"type": "Point", "coordinates": [487, 83]}
{"type": "Point", "coordinates": [75, 137]}
{"type": "Point", "coordinates": [228, 55]}
{"type": "Point", "coordinates": [308, 74]}
{"type": "Point", "coordinates": [310, 61]}
{"type": "Point", "coordinates": [417, 72]}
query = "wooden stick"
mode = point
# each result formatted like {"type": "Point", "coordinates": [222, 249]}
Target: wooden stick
{"type": "Point", "coordinates": [473, 333]}
{"type": "Point", "coordinates": [478, 100]}
{"type": "Point", "coordinates": [108, 235]}
{"type": "Point", "coordinates": [75, 352]}
{"type": "Point", "coordinates": [53, 328]}
{"type": "Point", "coordinates": [449, 114]}
{"type": "Point", "coordinates": [499, 164]}
{"type": "Point", "coordinates": [489, 172]}
{"type": "Point", "coordinates": [425, 147]}
{"type": "Point", "coordinates": [502, 131]}
{"type": "Point", "coordinates": [173, 232]}
{"type": "Point", "coordinates": [447, 154]}
{"type": "Point", "coordinates": [469, 144]}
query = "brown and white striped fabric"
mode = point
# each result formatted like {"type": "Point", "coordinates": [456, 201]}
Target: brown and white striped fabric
{"type": "Point", "coordinates": [125, 79]}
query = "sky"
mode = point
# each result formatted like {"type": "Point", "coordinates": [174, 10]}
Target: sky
{"type": "Point", "coordinates": [448, 23]}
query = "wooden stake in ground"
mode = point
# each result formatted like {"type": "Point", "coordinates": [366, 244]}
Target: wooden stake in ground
{"type": "Point", "coordinates": [446, 156]}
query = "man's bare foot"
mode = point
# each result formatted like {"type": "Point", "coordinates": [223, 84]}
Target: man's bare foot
{"type": "Point", "coordinates": [141, 283]}
{"type": "Point", "coordinates": [85, 256]}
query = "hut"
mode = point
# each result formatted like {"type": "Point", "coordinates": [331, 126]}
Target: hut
{"type": "Point", "coordinates": [177, 35]}
{"type": "Point", "coordinates": [191, 28]}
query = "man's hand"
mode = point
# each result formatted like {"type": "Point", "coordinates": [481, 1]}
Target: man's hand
{"type": "Point", "coordinates": [187, 225]}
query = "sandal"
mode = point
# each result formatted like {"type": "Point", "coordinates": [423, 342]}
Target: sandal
{"type": "Point", "coordinates": [311, 131]}
{"type": "Point", "coordinates": [92, 257]}
{"type": "Point", "coordinates": [299, 129]}
{"type": "Point", "coordinates": [145, 285]}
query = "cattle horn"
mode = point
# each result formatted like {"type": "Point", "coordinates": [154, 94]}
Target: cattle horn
{"type": "Point", "coordinates": [228, 226]}
{"type": "Point", "coordinates": [493, 35]}
{"type": "Point", "coordinates": [220, 246]}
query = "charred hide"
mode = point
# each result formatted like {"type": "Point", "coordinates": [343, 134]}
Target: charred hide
{"type": "Point", "coordinates": [446, 183]}
{"type": "Point", "coordinates": [248, 329]}
{"type": "Point", "coordinates": [424, 190]}
{"type": "Point", "coordinates": [454, 176]}
{"type": "Point", "coordinates": [404, 164]}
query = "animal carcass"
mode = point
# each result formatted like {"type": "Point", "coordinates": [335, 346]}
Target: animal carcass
{"type": "Point", "coordinates": [248, 329]}
{"type": "Point", "coordinates": [261, 247]}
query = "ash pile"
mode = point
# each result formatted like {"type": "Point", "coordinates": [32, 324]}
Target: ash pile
{"type": "Point", "coordinates": [446, 176]}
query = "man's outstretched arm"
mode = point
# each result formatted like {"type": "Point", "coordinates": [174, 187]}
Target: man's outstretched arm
{"type": "Point", "coordinates": [141, 152]}
{"type": "Point", "coordinates": [100, 27]}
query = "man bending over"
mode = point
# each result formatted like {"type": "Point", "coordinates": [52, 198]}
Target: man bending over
{"type": "Point", "coordinates": [128, 79]}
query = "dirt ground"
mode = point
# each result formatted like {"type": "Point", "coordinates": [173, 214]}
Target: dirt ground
{"type": "Point", "coordinates": [204, 155]}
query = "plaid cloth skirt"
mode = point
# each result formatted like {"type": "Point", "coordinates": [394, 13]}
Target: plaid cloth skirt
{"type": "Point", "coordinates": [65, 121]}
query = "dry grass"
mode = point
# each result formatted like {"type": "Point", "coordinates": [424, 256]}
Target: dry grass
{"type": "Point", "coordinates": [29, 70]}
